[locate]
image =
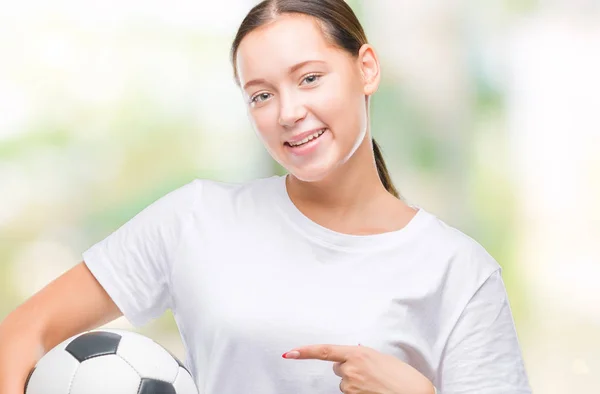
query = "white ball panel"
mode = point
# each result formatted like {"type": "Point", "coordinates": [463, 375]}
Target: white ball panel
{"type": "Point", "coordinates": [184, 384]}
{"type": "Point", "coordinates": [148, 358]}
{"type": "Point", "coordinates": [53, 373]}
{"type": "Point", "coordinates": [105, 374]}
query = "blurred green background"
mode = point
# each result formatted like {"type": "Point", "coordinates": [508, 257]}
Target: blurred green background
{"type": "Point", "coordinates": [487, 115]}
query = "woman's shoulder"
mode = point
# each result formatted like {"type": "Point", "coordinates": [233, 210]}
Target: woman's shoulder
{"type": "Point", "coordinates": [218, 189]}
{"type": "Point", "coordinates": [211, 195]}
{"type": "Point", "coordinates": [457, 265]}
{"type": "Point", "coordinates": [203, 193]}
{"type": "Point", "coordinates": [462, 253]}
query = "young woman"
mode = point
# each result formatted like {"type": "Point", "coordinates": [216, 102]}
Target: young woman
{"type": "Point", "coordinates": [361, 292]}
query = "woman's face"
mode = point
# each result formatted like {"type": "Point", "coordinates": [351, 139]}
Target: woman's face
{"type": "Point", "coordinates": [298, 86]}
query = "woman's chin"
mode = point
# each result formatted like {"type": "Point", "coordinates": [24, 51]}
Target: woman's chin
{"type": "Point", "coordinates": [314, 168]}
{"type": "Point", "coordinates": [310, 173]}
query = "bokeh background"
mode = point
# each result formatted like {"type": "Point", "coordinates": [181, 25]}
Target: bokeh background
{"type": "Point", "coordinates": [488, 115]}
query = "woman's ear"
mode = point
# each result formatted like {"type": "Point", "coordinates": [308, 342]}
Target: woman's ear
{"type": "Point", "coordinates": [369, 68]}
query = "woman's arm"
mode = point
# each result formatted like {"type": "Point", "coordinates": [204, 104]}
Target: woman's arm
{"type": "Point", "coordinates": [73, 303]}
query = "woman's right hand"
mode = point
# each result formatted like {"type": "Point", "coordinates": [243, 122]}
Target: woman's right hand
{"type": "Point", "coordinates": [73, 303]}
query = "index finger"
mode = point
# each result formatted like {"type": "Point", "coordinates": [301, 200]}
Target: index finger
{"type": "Point", "coordinates": [337, 353]}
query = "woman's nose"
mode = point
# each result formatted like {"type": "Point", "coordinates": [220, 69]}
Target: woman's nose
{"type": "Point", "coordinates": [290, 112]}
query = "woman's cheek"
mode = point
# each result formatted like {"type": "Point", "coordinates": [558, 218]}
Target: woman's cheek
{"type": "Point", "coordinates": [328, 107]}
{"type": "Point", "coordinates": [334, 110]}
{"type": "Point", "coordinates": [264, 124]}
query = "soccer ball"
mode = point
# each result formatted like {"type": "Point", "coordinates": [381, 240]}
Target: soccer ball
{"type": "Point", "coordinates": [109, 361]}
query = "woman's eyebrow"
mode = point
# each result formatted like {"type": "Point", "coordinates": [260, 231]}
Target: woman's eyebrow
{"type": "Point", "coordinates": [295, 67]}
{"type": "Point", "coordinates": [254, 82]}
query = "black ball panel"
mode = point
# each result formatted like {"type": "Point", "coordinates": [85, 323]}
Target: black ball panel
{"type": "Point", "coordinates": [153, 386]}
{"type": "Point", "coordinates": [94, 344]}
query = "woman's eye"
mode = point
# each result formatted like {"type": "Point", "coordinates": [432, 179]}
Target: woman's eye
{"type": "Point", "coordinates": [260, 97]}
{"type": "Point", "coordinates": [312, 78]}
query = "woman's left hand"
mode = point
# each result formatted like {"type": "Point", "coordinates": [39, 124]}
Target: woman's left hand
{"type": "Point", "coordinates": [366, 371]}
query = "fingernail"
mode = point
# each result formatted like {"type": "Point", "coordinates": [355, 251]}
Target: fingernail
{"type": "Point", "coordinates": [292, 354]}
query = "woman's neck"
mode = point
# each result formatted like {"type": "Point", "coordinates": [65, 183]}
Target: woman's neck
{"type": "Point", "coordinates": [352, 199]}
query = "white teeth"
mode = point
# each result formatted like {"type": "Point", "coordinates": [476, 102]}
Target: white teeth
{"type": "Point", "coordinates": [310, 137]}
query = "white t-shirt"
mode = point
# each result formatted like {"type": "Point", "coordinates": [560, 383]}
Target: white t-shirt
{"type": "Point", "coordinates": [249, 277]}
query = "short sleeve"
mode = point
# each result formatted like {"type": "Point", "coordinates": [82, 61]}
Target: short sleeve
{"type": "Point", "coordinates": [133, 264]}
{"type": "Point", "coordinates": [483, 354]}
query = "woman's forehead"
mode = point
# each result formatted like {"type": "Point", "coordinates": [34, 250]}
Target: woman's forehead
{"type": "Point", "coordinates": [289, 40]}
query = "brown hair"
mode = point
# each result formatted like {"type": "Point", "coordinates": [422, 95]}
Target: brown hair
{"type": "Point", "coordinates": [339, 24]}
